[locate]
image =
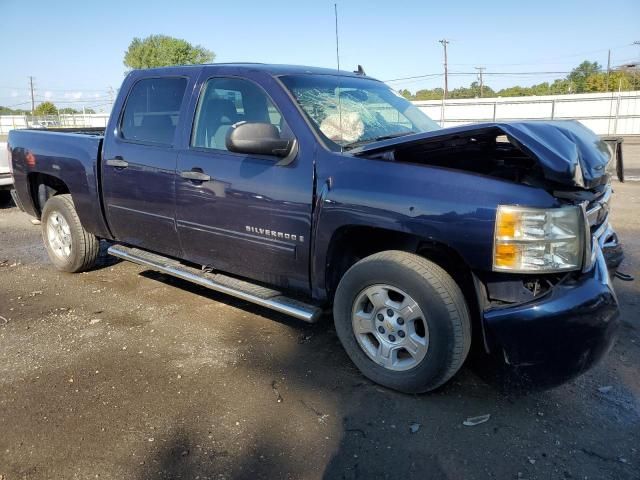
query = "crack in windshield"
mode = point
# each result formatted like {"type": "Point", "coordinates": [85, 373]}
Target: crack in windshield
{"type": "Point", "coordinates": [352, 111]}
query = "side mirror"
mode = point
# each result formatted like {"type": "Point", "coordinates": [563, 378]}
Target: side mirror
{"type": "Point", "coordinates": [258, 138]}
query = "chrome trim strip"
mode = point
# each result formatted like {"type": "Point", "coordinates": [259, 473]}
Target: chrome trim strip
{"type": "Point", "coordinates": [592, 213]}
{"type": "Point", "coordinates": [307, 313]}
{"type": "Point", "coordinates": [140, 212]}
{"type": "Point", "coordinates": [265, 241]}
{"type": "Point", "coordinates": [588, 257]}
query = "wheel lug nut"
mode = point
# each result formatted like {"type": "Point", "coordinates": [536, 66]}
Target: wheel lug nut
{"type": "Point", "coordinates": [401, 333]}
{"type": "Point", "coordinates": [381, 329]}
{"type": "Point", "coordinates": [390, 313]}
{"type": "Point", "coordinates": [400, 321]}
{"type": "Point", "coordinates": [392, 338]}
{"type": "Point", "coordinates": [380, 317]}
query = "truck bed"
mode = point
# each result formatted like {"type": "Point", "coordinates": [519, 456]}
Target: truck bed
{"type": "Point", "coordinates": [70, 155]}
{"type": "Point", "coordinates": [91, 131]}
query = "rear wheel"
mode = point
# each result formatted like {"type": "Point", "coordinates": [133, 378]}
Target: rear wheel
{"type": "Point", "coordinates": [70, 247]}
{"type": "Point", "coordinates": [403, 321]}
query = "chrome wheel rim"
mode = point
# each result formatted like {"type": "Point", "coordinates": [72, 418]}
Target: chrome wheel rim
{"type": "Point", "coordinates": [59, 235]}
{"type": "Point", "coordinates": [390, 327]}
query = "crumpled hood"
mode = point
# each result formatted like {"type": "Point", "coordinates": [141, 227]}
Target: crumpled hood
{"type": "Point", "coordinates": [567, 151]}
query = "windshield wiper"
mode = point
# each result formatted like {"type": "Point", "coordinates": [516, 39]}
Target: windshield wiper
{"type": "Point", "coordinates": [376, 139]}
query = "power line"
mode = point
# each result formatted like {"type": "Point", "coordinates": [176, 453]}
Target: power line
{"type": "Point", "coordinates": [426, 75]}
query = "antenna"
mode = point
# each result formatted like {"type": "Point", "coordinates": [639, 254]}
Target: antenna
{"type": "Point", "coordinates": [335, 11]}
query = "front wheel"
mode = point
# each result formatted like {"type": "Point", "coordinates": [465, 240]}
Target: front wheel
{"type": "Point", "coordinates": [403, 321]}
{"type": "Point", "coordinates": [70, 247]}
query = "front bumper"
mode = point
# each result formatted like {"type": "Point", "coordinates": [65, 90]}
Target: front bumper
{"type": "Point", "coordinates": [554, 338]}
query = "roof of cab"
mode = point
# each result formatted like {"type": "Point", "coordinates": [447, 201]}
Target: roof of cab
{"type": "Point", "coordinates": [270, 68]}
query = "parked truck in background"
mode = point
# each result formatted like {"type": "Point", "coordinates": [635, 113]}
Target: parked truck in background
{"type": "Point", "coordinates": [298, 188]}
{"type": "Point", "coordinates": [6, 181]}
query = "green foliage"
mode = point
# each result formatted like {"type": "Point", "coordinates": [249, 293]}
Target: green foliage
{"type": "Point", "coordinates": [68, 111]}
{"type": "Point", "coordinates": [162, 50]}
{"type": "Point", "coordinates": [578, 76]}
{"type": "Point", "coordinates": [434, 94]}
{"type": "Point", "coordinates": [46, 108]}
{"type": "Point", "coordinates": [587, 77]}
{"type": "Point", "coordinates": [9, 111]}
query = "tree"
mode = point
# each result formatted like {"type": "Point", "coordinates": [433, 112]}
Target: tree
{"type": "Point", "coordinates": [162, 50]}
{"type": "Point", "coordinates": [10, 111]}
{"type": "Point", "coordinates": [46, 108]}
{"type": "Point", "coordinates": [67, 110]}
{"type": "Point", "coordinates": [578, 76]}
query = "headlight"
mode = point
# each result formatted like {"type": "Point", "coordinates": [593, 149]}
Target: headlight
{"type": "Point", "coordinates": [538, 240]}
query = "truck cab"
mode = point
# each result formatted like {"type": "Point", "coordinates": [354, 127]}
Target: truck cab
{"type": "Point", "coordinates": [300, 189]}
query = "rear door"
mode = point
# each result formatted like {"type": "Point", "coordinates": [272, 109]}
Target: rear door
{"type": "Point", "coordinates": [138, 168]}
{"type": "Point", "coordinates": [248, 214]}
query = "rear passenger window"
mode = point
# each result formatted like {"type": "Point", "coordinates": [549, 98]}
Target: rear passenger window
{"type": "Point", "coordinates": [226, 101]}
{"type": "Point", "coordinates": [152, 110]}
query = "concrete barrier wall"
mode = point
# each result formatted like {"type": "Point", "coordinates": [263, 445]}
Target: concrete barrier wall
{"type": "Point", "coordinates": [605, 113]}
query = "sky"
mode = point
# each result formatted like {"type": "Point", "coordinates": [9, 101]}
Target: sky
{"type": "Point", "coordinates": [74, 49]}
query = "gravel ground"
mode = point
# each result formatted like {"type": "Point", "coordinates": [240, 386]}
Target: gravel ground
{"type": "Point", "coordinates": [123, 373]}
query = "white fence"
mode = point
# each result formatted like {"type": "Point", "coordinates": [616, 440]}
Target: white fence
{"type": "Point", "coordinates": [11, 122]}
{"type": "Point", "coordinates": [605, 113]}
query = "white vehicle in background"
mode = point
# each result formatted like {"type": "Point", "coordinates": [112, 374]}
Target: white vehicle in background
{"type": "Point", "coordinates": [6, 180]}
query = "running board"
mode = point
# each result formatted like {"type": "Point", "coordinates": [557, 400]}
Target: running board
{"type": "Point", "coordinates": [241, 289]}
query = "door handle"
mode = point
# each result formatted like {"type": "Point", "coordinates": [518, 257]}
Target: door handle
{"type": "Point", "coordinates": [117, 162]}
{"type": "Point", "coordinates": [195, 175]}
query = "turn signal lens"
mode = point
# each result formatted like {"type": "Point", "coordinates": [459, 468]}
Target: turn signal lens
{"type": "Point", "coordinates": [506, 255]}
{"type": "Point", "coordinates": [538, 240]}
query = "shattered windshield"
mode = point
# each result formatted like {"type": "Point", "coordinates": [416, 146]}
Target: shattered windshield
{"type": "Point", "coordinates": [353, 111]}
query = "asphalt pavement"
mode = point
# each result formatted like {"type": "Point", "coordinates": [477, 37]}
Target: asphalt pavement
{"type": "Point", "coordinates": [124, 373]}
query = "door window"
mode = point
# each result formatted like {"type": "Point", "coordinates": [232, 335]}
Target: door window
{"type": "Point", "coordinates": [226, 101]}
{"type": "Point", "coordinates": [153, 109]}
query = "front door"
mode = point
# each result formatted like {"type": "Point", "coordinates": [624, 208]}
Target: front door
{"type": "Point", "coordinates": [139, 166]}
{"type": "Point", "coordinates": [241, 213]}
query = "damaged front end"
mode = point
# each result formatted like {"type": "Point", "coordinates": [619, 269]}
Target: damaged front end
{"type": "Point", "coordinates": [561, 154]}
{"type": "Point", "coordinates": [550, 324]}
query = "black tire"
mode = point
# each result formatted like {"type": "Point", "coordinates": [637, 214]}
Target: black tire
{"type": "Point", "coordinates": [444, 310]}
{"type": "Point", "coordinates": [84, 245]}
{"type": "Point", "coordinates": [5, 198]}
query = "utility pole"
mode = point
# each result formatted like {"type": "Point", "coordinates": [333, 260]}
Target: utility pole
{"type": "Point", "coordinates": [33, 103]}
{"type": "Point", "coordinates": [444, 43]}
{"type": "Point", "coordinates": [480, 70]}
{"type": "Point", "coordinates": [608, 68]}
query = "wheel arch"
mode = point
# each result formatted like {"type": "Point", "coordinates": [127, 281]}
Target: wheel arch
{"type": "Point", "coordinates": [42, 187]}
{"type": "Point", "coordinates": [351, 243]}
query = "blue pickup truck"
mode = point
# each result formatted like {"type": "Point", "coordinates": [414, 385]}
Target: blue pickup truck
{"type": "Point", "coordinates": [298, 188]}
